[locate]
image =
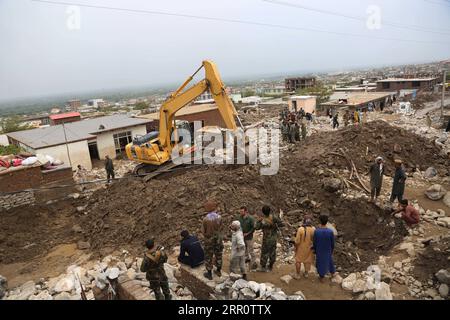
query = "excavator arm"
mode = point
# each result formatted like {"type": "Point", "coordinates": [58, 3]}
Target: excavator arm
{"type": "Point", "coordinates": [180, 99]}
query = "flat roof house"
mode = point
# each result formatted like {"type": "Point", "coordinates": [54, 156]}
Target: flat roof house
{"type": "Point", "coordinates": [397, 84]}
{"type": "Point", "coordinates": [82, 141]}
{"type": "Point", "coordinates": [354, 101]}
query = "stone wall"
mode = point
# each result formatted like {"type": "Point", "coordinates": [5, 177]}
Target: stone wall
{"type": "Point", "coordinates": [13, 200]}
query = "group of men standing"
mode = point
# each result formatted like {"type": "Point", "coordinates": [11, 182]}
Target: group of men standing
{"type": "Point", "coordinates": [405, 211]}
{"type": "Point", "coordinates": [293, 125]}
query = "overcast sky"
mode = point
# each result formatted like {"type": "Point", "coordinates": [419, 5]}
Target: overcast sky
{"type": "Point", "coordinates": [43, 52]}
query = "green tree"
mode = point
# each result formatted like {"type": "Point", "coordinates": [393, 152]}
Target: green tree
{"type": "Point", "coordinates": [141, 106]}
{"type": "Point", "coordinates": [13, 124]}
{"type": "Point", "coordinates": [322, 92]}
{"type": "Point", "coordinates": [11, 149]}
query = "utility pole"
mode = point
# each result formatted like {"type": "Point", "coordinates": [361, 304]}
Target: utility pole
{"type": "Point", "coordinates": [67, 146]}
{"type": "Point", "coordinates": [444, 79]}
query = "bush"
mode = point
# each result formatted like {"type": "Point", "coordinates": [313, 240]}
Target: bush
{"type": "Point", "coordinates": [11, 149]}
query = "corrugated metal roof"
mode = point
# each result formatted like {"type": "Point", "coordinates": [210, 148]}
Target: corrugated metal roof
{"type": "Point", "coordinates": [65, 115]}
{"type": "Point", "coordinates": [75, 131]}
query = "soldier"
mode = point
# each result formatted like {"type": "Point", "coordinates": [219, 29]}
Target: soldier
{"type": "Point", "coordinates": [303, 125]}
{"type": "Point", "coordinates": [270, 225]}
{"type": "Point", "coordinates": [285, 130]}
{"type": "Point", "coordinates": [212, 232]}
{"type": "Point", "coordinates": [153, 266]}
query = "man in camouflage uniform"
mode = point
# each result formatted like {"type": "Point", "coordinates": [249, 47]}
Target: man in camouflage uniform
{"type": "Point", "coordinates": [153, 266]}
{"type": "Point", "coordinates": [270, 224]}
{"type": "Point", "coordinates": [213, 238]}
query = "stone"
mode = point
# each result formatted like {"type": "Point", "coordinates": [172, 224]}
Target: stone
{"type": "Point", "coordinates": [234, 276]}
{"type": "Point", "coordinates": [262, 289]}
{"type": "Point", "coordinates": [129, 262]}
{"type": "Point", "coordinates": [359, 286]}
{"type": "Point", "coordinates": [383, 292]}
{"type": "Point", "coordinates": [445, 221]}
{"type": "Point", "coordinates": [83, 245]}
{"type": "Point", "coordinates": [349, 282]}
{"type": "Point", "coordinates": [43, 295]}
{"type": "Point", "coordinates": [234, 295]}
{"type": "Point", "coordinates": [122, 266]}
{"type": "Point", "coordinates": [435, 192]}
{"type": "Point", "coordinates": [431, 293]}
{"type": "Point", "coordinates": [446, 199]}
{"type": "Point", "coordinates": [76, 228]}
{"type": "Point", "coordinates": [131, 274]}
{"type": "Point", "coordinates": [430, 173]}
{"type": "Point", "coordinates": [443, 276]}
{"type": "Point", "coordinates": [3, 286]}
{"type": "Point", "coordinates": [112, 273]}
{"type": "Point", "coordinates": [443, 290]}
{"type": "Point", "coordinates": [248, 293]}
{"type": "Point", "coordinates": [300, 293]}
{"type": "Point", "coordinates": [280, 295]}
{"type": "Point", "coordinates": [80, 208]}
{"type": "Point", "coordinates": [331, 184]}
{"type": "Point", "coordinates": [254, 286]}
{"type": "Point", "coordinates": [337, 279]}
{"type": "Point", "coordinates": [26, 290]}
{"type": "Point", "coordinates": [369, 295]}
{"type": "Point", "coordinates": [240, 284]}
{"type": "Point", "coordinates": [67, 296]}
{"type": "Point", "coordinates": [398, 265]}
{"type": "Point", "coordinates": [286, 279]}
{"type": "Point", "coordinates": [409, 247]}
{"type": "Point", "coordinates": [295, 297]}
{"type": "Point", "coordinates": [66, 284]}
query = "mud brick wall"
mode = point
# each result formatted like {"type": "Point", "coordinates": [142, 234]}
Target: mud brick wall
{"type": "Point", "coordinates": [13, 200]}
{"type": "Point", "coordinates": [64, 174]}
{"type": "Point", "coordinates": [17, 180]}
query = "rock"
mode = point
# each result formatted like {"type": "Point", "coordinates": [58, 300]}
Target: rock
{"type": "Point", "coordinates": [131, 274]}
{"type": "Point", "coordinates": [122, 266]}
{"type": "Point", "coordinates": [234, 295]}
{"type": "Point", "coordinates": [383, 292]}
{"type": "Point", "coordinates": [43, 295]}
{"type": "Point", "coordinates": [248, 293]}
{"type": "Point", "coordinates": [369, 295]}
{"type": "Point", "coordinates": [300, 293]}
{"type": "Point", "coordinates": [74, 195]}
{"type": "Point", "coordinates": [66, 284]}
{"type": "Point", "coordinates": [337, 279]}
{"type": "Point", "coordinates": [83, 245]}
{"type": "Point", "coordinates": [447, 199]}
{"type": "Point", "coordinates": [295, 297]}
{"type": "Point", "coordinates": [331, 184]}
{"type": "Point", "coordinates": [3, 286]}
{"type": "Point", "coordinates": [262, 289]}
{"type": "Point", "coordinates": [128, 262]}
{"type": "Point", "coordinates": [254, 286]}
{"type": "Point", "coordinates": [286, 279]}
{"type": "Point", "coordinates": [430, 173]}
{"type": "Point", "coordinates": [435, 192]}
{"type": "Point", "coordinates": [349, 282]}
{"type": "Point", "coordinates": [443, 290]}
{"type": "Point", "coordinates": [409, 247]}
{"type": "Point", "coordinates": [443, 276]}
{"type": "Point", "coordinates": [432, 293]}
{"type": "Point", "coordinates": [359, 286]}
{"type": "Point", "coordinates": [80, 209]}
{"type": "Point", "coordinates": [445, 221]}
{"type": "Point", "coordinates": [112, 273]}
{"type": "Point", "coordinates": [240, 284]}
{"type": "Point", "coordinates": [398, 265]}
{"type": "Point", "coordinates": [280, 295]}
{"type": "Point", "coordinates": [26, 290]}
{"type": "Point", "coordinates": [234, 276]}
{"type": "Point", "coordinates": [76, 228]}
{"type": "Point", "coordinates": [67, 296]}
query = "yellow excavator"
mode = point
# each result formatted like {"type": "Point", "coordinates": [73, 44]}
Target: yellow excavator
{"type": "Point", "coordinates": [154, 149]}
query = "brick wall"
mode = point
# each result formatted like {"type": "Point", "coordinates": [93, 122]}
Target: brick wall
{"type": "Point", "coordinates": [20, 179]}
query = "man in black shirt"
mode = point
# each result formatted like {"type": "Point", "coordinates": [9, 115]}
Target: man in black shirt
{"type": "Point", "coordinates": [191, 251]}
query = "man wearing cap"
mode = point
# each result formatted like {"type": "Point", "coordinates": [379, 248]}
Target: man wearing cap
{"type": "Point", "coordinates": [237, 259]}
{"type": "Point", "coordinates": [153, 266]}
{"type": "Point", "coordinates": [376, 172]}
{"type": "Point", "coordinates": [191, 251]}
{"type": "Point", "coordinates": [398, 187]}
{"type": "Point", "coordinates": [213, 238]}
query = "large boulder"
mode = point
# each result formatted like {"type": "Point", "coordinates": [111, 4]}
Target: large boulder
{"type": "Point", "coordinates": [435, 192]}
{"type": "Point", "coordinates": [66, 284]}
{"type": "Point", "coordinates": [331, 184]}
{"type": "Point", "coordinates": [349, 282]}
